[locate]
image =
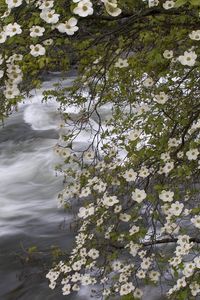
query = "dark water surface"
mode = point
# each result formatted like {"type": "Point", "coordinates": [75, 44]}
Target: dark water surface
{"type": "Point", "coordinates": [28, 207]}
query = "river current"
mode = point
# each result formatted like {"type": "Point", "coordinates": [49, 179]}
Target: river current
{"type": "Point", "coordinates": [29, 185]}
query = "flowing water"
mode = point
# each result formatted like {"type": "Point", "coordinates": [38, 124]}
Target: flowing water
{"type": "Point", "coordinates": [28, 207]}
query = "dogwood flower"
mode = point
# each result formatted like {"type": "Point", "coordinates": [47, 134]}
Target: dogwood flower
{"type": "Point", "coordinates": [138, 195]}
{"type": "Point", "coordinates": [13, 3]}
{"type": "Point", "coordinates": [46, 5]}
{"type": "Point", "coordinates": [121, 63]}
{"type": "Point", "coordinates": [196, 221]}
{"type": "Point", "coordinates": [111, 8]}
{"type": "Point", "coordinates": [93, 253]}
{"type": "Point", "coordinates": [85, 212]}
{"type": "Point", "coordinates": [138, 293]}
{"type": "Point", "coordinates": [168, 4]}
{"type": "Point", "coordinates": [168, 54]}
{"type": "Point", "coordinates": [49, 16]}
{"type": "Point", "coordinates": [134, 134]}
{"type": "Point", "coordinates": [69, 27]}
{"type": "Point", "coordinates": [134, 229]}
{"type": "Point", "coordinates": [195, 35]}
{"type": "Point", "coordinates": [130, 175]}
{"type": "Point", "coordinates": [84, 8]}
{"type": "Point", "coordinates": [11, 92]}
{"type": "Point", "coordinates": [48, 42]}
{"type": "Point", "coordinates": [110, 200]}
{"type": "Point", "coordinates": [37, 50]}
{"type": "Point", "coordinates": [36, 31]}
{"type": "Point", "coordinates": [12, 29]}
{"type": "Point", "coordinates": [166, 196]}
{"type": "Point", "coordinates": [192, 154]}
{"type": "Point", "coordinates": [161, 98]}
{"type": "Point", "coordinates": [126, 289]}
{"type": "Point", "coordinates": [148, 82]}
{"type": "Point", "coordinates": [188, 59]}
{"type": "Point", "coordinates": [176, 208]}
{"type": "Point", "coordinates": [153, 3]}
{"type": "Point", "coordinates": [173, 142]}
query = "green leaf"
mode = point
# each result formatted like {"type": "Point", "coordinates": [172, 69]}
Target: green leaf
{"type": "Point", "coordinates": [180, 3]}
{"type": "Point", "coordinates": [195, 2]}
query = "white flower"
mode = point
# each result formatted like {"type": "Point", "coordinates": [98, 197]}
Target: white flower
{"type": "Point", "coordinates": [146, 263]}
{"type": "Point", "coordinates": [46, 5]}
{"type": "Point", "coordinates": [154, 276]}
{"type": "Point", "coordinates": [166, 196]}
{"type": "Point", "coordinates": [37, 50]}
{"type": "Point", "coordinates": [161, 98]}
{"type": "Point", "coordinates": [176, 208]}
{"type": "Point", "coordinates": [195, 35]}
{"type": "Point", "coordinates": [168, 54]}
{"type": "Point", "coordinates": [180, 154]}
{"type": "Point", "coordinates": [148, 82]}
{"type": "Point", "coordinates": [153, 3]}
{"type": "Point", "coordinates": [196, 221]}
{"type": "Point", "coordinates": [168, 167]}
{"type": "Point", "coordinates": [117, 265]}
{"type": "Point", "coordinates": [141, 274]}
{"type": "Point", "coordinates": [195, 288]}
{"type": "Point", "coordinates": [197, 262]}
{"type": "Point", "coordinates": [84, 8]}
{"type": "Point", "coordinates": [76, 277]}
{"type": "Point", "coordinates": [134, 229]}
{"type": "Point", "coordinates": [86, 279]}
{"type": "Point", "coordinates": [181, 282]}
{"type": "Point", "coordinates": [117, 209]}
{"type": "Point", "coordinates": [138, 292]}
{"type": "Point", "coordinates": [3, 37]}
{"type": "Point", "coordinates": [192, 154]}
{"type": "Point", "coordinates": [36, 31]}
{"type": "Point", "coordinates": [130, 175]}
{"type": "Point", "coordinates": [12, 29]}
{"type": "Point", "coordinates": [138, 195]}
{"type": "Point", "coordinates": [126, 288]}
{"type": "Point", "coordinates": [69, 27]}
{"type": "Point", "coordinates": [77, 265]}
{"type": "Point", "coordinates": [134, 134]}
{"type": "Point", "coordinates": [121, 63]}
{"type": "Point", "coordinates": [110, 200]}
{"type": "Point", "coordinates": [175, 261]}
{"type": "Point", "coordinates": [49, 16]}
{"type": "Point", "coordinates": [85, 212]}
{"type": "Point", "coordinates": [85, 192]}
{"type": "Point", "coordinates": [168, 4]}
{"type": "Point", "coordinates": [188, 59]}
{"type": "Point", "coordinates": [13, 3]}
{"type": "Point", "coordinates": [165, 156]}
{"type": "Point", "coordinates": [93, 253]}
{"type": "Point", "coordinates": [11, 92]}
{"type": "Point", "coordinates": [124, 217]}
{"type": "Point", "coordinates": [112, 8]}
{"type": "Point", "coordinates": [188, 269]}
{"type": "Point", "coordinates": [173, 142]}
{"type": "Point", "coordinates": [66, 289]}
{"type": "Point", "coordinates": [144, 172]}
{"type": "Point", "coordinates": [48, 42]}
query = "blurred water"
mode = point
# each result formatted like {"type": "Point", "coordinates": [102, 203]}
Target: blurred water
{"type": "Point", "coordinates": [28, 191]}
